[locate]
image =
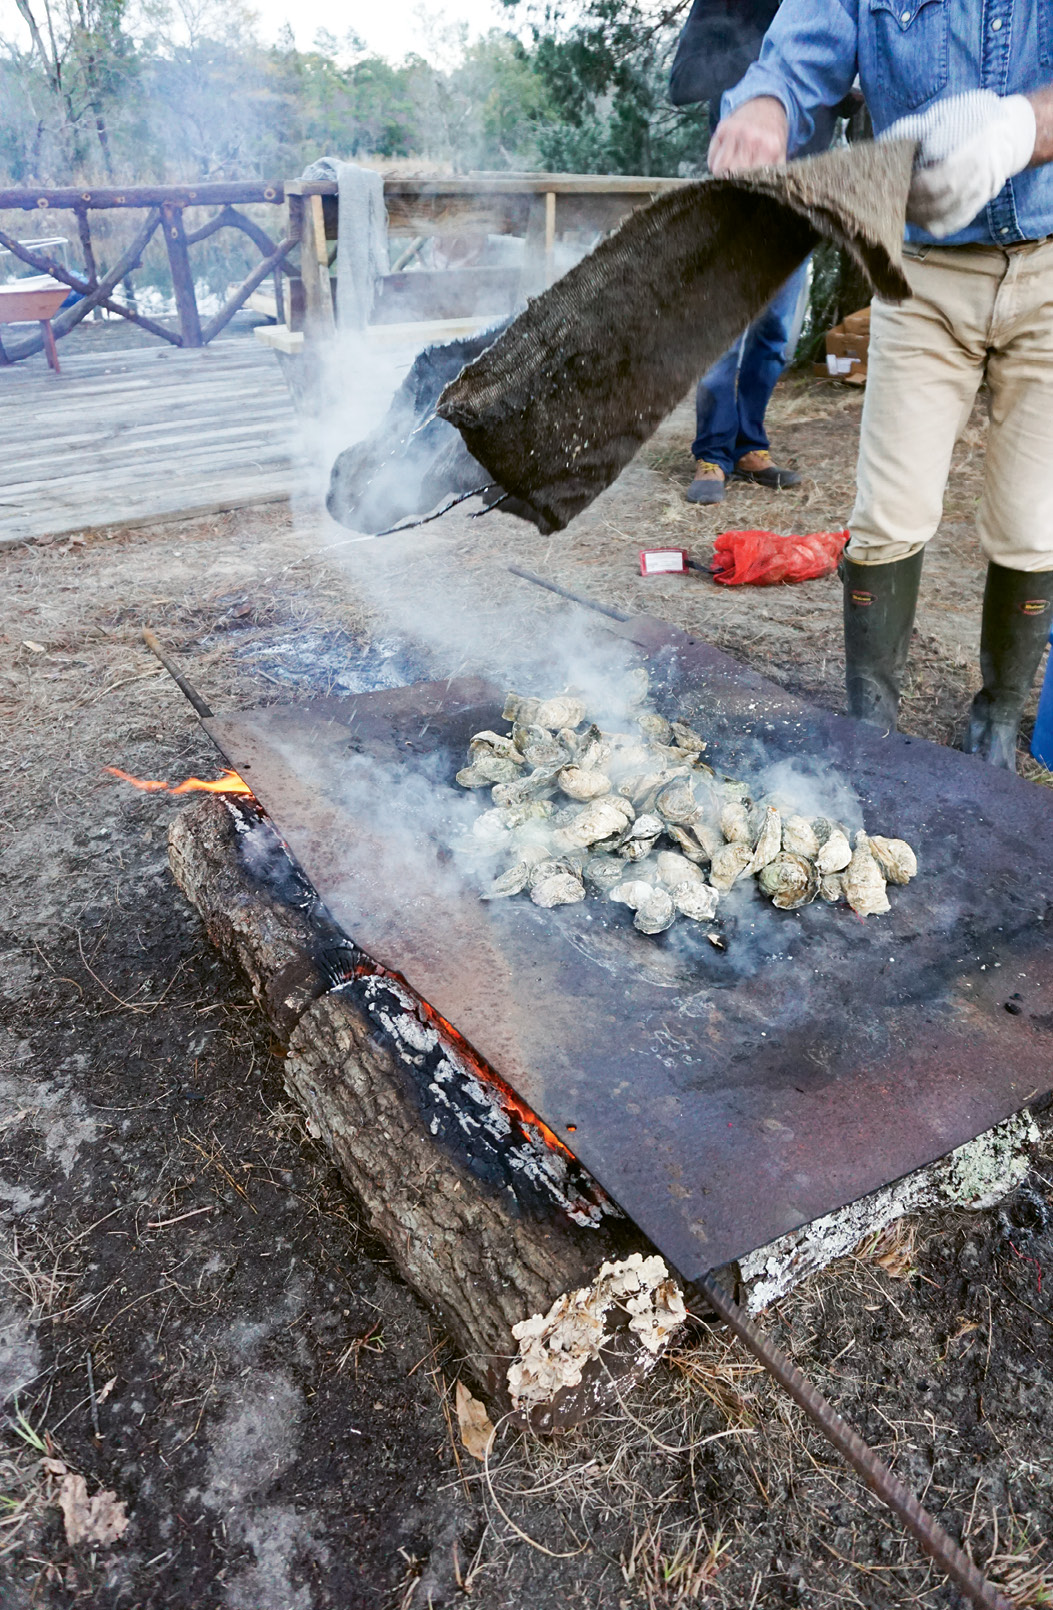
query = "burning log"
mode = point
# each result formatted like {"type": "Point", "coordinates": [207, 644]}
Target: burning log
{"type": "Point", "coordinates": [483, 1210]}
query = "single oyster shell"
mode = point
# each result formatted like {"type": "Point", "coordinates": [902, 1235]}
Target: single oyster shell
{"type": "Point", "coordinates": [688, 846]}
{"type": "Point", "coordinates": [487, 769]}
{"type": "Point", "coordinates": [735, 823]}
{"type": "Point", "coordinates": [631, 892]}
{"type": "Point", "coordinates": [561, 889]}
{"type": "Point", "coordinates": [894, 857]}
{"type": "Point", "coordinates": [538, 784]}
{"type": "Point", "coordinates": [822, 827]}
{"type": "Point", "coordinates": [731, 788]}
{"type": "Point", "coordinates": [696, 900]}
{"type": "Point", "coordinates": [582, 782]}
{"type": "Point", "coordinates": [603, 872]}
{"type": "Point", "coordinates": [656, 913]}
{"type": "Point", "coordinates": [518, 708]}
{"type": "Point", "coordinates": [832, 887]}
{"type": "Point", "coordinates": [676, 802]}
{"type": "Point", "coordinates": [492, 743]}
{"type": "Point", "coordinates": [639, 841]}
{"type": "Point", "coordinates": [864, 884]}
{"type": "Point", "coordinates": [595, 821]}
{"type": "Point", "coordinates": [514, 881]}
{"type": "Point", "coordinates": [729, 863]}
{"type": "Point", "coordinates": [639, 686]}
{"type": "Point", "coordinates": [798, 837]}
{"type": "Point", "coordinates": [654, 726]}
{"type": "Point", "coordinates": [531, 810]}
{"type": "Point", "coordinates": [709, 837]}
{"type": "Point", "coordinates": [768, 840]}
{"type": "Point", "coordinates": [631, 849]}
{"type": "Point", "coordinates": [593, 752]}
{"type": "Point", "coordinates": [687, 737]}
{"type": "Point", "coordinates": [546, 866]}
{"type": "Point", "coordinates": [674, 869]}
{"type": "Point", "coordinates": [640, 783]}
{"type": "Point", "coordinates": [563, 711]}
{"type": "Point", "coordinates": [790, 881]}
{"type": "Point", "coordinates": [540, 748]}
{"type": "Point", "coordinates": [835, 852]}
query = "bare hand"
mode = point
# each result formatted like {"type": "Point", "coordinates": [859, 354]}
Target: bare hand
{"type": "Point", "coordinates": [754, 136]}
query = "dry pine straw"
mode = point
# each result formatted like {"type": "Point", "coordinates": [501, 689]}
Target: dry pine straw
{"type": "Point", "coordinates": [708, 1487]}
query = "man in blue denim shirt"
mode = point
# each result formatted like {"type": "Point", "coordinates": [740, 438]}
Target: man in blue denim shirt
{"type": "Point", "coordinates": [971, 81]}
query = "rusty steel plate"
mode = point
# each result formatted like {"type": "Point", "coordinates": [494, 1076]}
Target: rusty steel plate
{"type": "Point", "coordinates": [721, 1098]}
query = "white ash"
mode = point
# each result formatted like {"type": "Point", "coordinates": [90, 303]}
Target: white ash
{"type": "Point", "coordinates": [452, 1078]}
{"type": "Point", "coordinates": [974, 1176]}
{"type": "Point", "coordinates": [554, 1348]}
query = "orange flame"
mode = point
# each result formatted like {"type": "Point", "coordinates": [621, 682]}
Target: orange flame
{"type": "Point", "coordinates": [509, 1100]}
{"type": "Point", "coordinates": [231, 783]}
{"type": "Point", "coordinates": [228, 783]}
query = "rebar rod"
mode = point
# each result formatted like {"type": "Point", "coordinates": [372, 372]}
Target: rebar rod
{"type": "Point", "coordinates": [185, 687]}
{"type": "Point", "coordinates": [923, 1527]}
{"type": "Point", "coordinates": [565, 592]}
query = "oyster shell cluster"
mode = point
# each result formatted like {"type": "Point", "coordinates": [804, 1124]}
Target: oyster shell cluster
{"type": "Point", "coordinates": [636, 816]}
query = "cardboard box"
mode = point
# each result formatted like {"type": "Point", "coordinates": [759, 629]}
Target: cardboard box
{"type": "Point", "coordinates": [847, 346]}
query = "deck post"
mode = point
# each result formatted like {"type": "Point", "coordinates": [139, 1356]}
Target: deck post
{"type": "Point", "coordinates": [182, 277]}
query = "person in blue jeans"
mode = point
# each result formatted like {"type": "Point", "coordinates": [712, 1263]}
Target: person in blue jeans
{"type": "Point", "coordinates": [720, 39]}
{"type": "Point", "coordinates": [732, 400]}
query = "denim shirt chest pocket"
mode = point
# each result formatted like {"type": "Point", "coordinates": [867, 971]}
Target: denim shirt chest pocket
{"type": "Point", "coordinates": [906, 42]}
{"type": "Point", "coordinates": [1045, 32]}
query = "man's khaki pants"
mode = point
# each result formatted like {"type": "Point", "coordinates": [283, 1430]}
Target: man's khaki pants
{"type": "Point", "coordinates": [976, 311]}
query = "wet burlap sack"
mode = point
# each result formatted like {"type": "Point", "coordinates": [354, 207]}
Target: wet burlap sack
{"type": "Point", "coordinates": [561, 401]}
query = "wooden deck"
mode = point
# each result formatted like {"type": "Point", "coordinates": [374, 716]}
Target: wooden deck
{"type": "Point", "coordinates": [142, 434]}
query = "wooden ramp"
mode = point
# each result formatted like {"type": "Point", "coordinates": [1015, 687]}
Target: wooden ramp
{"type": "Point", "coordinates": [136, 435]}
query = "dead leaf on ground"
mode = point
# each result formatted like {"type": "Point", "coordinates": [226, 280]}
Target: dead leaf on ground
{"type": "Point", "coordinates": [35, 648]}
{"type": "Point", "coordinates": [894, 1250]}
{"type": "Point", "coordinates": [99, 1520]}
{"type": "Point", "coordinates": [476, 1429]}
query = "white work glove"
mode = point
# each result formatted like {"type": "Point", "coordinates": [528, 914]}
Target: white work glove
{"type": "Point", "coordinates": [968, 146]}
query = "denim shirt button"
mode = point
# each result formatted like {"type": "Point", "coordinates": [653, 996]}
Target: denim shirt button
{"type": "Point", "coordinates": [996, 25]}
{"type": "Point", "coordinates": [904, 16]}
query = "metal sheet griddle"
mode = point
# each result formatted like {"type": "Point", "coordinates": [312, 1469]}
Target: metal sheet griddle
{"type": "Point", "coordinates": [722, 1099]}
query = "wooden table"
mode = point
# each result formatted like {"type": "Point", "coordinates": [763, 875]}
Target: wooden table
{"type": "Point", "coordinates": [37, 297]}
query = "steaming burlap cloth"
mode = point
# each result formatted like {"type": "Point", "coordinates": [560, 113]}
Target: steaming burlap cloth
{"type": "Point", "coordinates": [558, 405]}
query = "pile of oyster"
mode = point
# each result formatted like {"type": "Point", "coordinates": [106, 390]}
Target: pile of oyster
{"type": "Point", "coordinates": [637, 816]}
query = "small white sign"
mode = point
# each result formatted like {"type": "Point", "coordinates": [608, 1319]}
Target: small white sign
{"type": "Point", "coordinates": [653, 561]}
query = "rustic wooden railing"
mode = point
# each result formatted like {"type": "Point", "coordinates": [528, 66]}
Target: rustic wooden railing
{"type": "Point", "coordinates": [165, 206]}
{"type": "Point", "coordinates": [539, 207]}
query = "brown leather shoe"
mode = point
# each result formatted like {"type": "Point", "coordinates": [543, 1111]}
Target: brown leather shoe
{"type": "Point", "coordinates": [758, 467]}
{"type": "Point", "coordinates": [709, 484]}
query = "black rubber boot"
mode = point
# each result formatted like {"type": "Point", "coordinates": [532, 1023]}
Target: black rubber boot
{"type": "Point", "coordinates": [879, 613]}
{"type": "Point", "coordinates": [1018, 612]}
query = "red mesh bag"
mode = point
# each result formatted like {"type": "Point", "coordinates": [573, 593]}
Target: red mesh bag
{"type": "Point", "coordinates": [762, 558]}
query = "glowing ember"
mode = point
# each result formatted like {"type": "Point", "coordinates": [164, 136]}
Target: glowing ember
{"type": "Point", "coordinates": [228, 783]}
{"type": "Point", "coordinates": [527, 1117]}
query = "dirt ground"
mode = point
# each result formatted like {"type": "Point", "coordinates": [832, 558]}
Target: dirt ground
{"type": "Point", "coordinates": [192, 1317]}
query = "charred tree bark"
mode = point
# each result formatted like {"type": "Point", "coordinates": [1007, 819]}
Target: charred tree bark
{"type": "Point", "coordinates": [487, 1232]}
